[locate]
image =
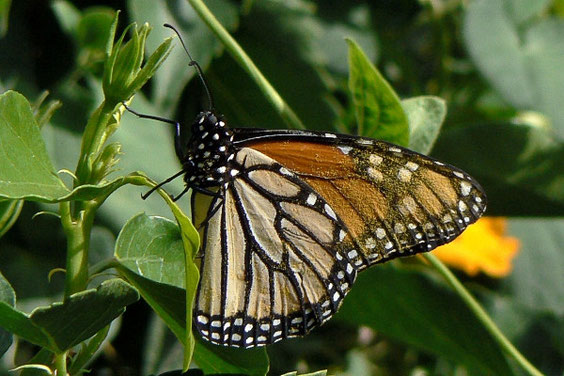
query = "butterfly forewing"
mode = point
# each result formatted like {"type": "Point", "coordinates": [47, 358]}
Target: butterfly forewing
{"type": "Point", "coordinates": [274, 263]}
{"type": "Point", "coordinates": [393, 202]}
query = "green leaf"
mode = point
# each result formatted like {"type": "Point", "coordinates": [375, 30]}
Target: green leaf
{"type": "Point", "coordinates": [379, 113]}
{"type": "Point", "coordinates": [522, 63]}
{"type": "Point", "coordinates": [4, 16]}
{"type": "Point", "coordinates": [152, 247]}
{"type": "Point", "coordinates": [214, 359]}
{"type": "Point", "coordinates": [9, 213]}
{"type": "Point", "coordinates": [155, 251]}
{"type": "Point", "coordinates": [20, 324]}
{"type": "Point", "coordinates": [67, 15]}
{"type": "Point", "coordinates": [93, 29]}
{"type": "Point", "coordinates": [25, 168]}
{"type": "Point", "coordinates": [7, 296]}
{"type": "Point", "coordinates": [87, 351]}
{"type": "Point", "coordinates": [425, 115]}
{"type": "Point", "coordinates": [523, 10]}
{"type": "Point", "coordinates": [537, 279]}
{"type": "Point", "coordinates": [408, 306]}
{"type": "Point", "coordinates": [43, 357]}
{"type": "Point", "coordinates": [167, 301]}
{"type": "Point", "coordinates": [84, 313]}
{"type": "Point", "coordinates": [521, 167]}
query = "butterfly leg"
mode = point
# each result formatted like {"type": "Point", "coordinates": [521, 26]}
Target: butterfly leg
{"type": "Point", "coordinates": [177, 139]}
{"type": "Point", "coordinates": [147, 194]}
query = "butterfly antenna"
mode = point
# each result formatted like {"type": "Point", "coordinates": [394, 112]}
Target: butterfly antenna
{"type": "Point", "coordinates": [195, 64]}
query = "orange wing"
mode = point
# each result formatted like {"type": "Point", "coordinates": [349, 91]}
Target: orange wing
{"type": "Point", "coordinates": [394, 202]}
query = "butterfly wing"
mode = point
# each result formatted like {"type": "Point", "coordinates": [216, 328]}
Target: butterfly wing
{"type": "Point", "coordinates": [303, 213]}
{"type": "Point", "coordinates": [274, 264]}
{"type": "Point", "coordinates": [393, 201]}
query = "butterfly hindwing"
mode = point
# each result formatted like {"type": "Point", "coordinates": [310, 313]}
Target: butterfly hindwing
{"type": "Point", "coordinates": [274, 264]}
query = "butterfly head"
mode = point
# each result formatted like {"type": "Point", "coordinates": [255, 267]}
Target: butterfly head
{"type": "Point", "coordinates": [210, 151]}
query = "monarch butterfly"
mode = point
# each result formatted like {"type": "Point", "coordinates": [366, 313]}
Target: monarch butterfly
{"type": "Point", "coordinates": [288, 218]}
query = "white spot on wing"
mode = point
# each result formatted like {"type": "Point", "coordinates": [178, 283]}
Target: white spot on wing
{"type": "Point", "coordinates": [380, 233]}
{"type": "Point", "coordinates": [311, 199]}
{"type": "Point", "coordinates": [412, 166]}
{"type": "Point", "coordinates": [404, 175]}
{"type": "Point", "coordinates": [375, 159]}
{"type": "Point", "coordinates": [465, 188]}
{"type": "Point", "coordinates": [330, 212]}
{"type": "Point", "coordinates": [345, 149]}
{"type": "Point", "coordinates": [370, 243]}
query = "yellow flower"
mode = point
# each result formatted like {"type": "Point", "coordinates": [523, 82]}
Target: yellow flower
{"type": "Point", "coordinates": [482, 247]}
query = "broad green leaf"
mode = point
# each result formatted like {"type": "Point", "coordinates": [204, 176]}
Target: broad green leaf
{"type": "Point", "coordinates": [408, 306]}
{"type": "Point", "coordinates": [425, 115]}
{"type": "Point", "coordinates": [67, 14]}
{"type": "Point", "coordinates": [522, 62]}
{"type": "Point", "coordinates": [154, 248]}
{"type": "Point", "coordinates": [523, 10]}
{"type": "Point", "coordinates": [44, 357]}
{"type": "Point", "coordinates": [84, 313]}
{"type": "Point", "coordinates": [25, 168]}
{"type": "Point", "coordinates": [9, 213]}
{"type": "Point", "coordinates": [494, 44]}
{"type": "Point", "coordinates": [521, 167]}
{"type": "Point", "coordinates": [93, 29]}
{"type": "Point", "coordinates": [87, 350]}
{"type": "Point", "coordinates": [167, 301]}
{"type": "Point", "coordinates": [379, 113]}
{"type": "Point", "coordinates": [20, 324]}
{"type": "Point", "coordinates": [8, 297]}
{"type": "Point", "coordinates": [537, 279]}
{"type": "Point", "coordinates": [214, 359]}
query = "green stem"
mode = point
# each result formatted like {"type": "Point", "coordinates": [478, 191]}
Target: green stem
{"type": "Point", "coordinates": [247, 64]}
{"type": "Point", "coordinates": [78, 232]}
{"type": "Point", "coordinates": [61, 364]}
{"type": "Point", "coordinates": [482, 316]}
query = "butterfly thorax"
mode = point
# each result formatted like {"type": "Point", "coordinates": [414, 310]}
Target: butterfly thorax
{"type": "Point", "coordinates": [210, 151]}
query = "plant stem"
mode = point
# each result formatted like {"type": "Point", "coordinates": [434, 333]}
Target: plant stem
{"type": "Point", "coordinates": [61, 364]}
{"type": "Point", "coordinates": [78, 243]}
{"type": "Point", "coordinates": [482, 316]}
{"type": "Point", "coordinates": [247, 64]}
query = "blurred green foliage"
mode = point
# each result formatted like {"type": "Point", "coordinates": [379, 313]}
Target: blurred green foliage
{"type": "Point", "coordinates": [496, 63]}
